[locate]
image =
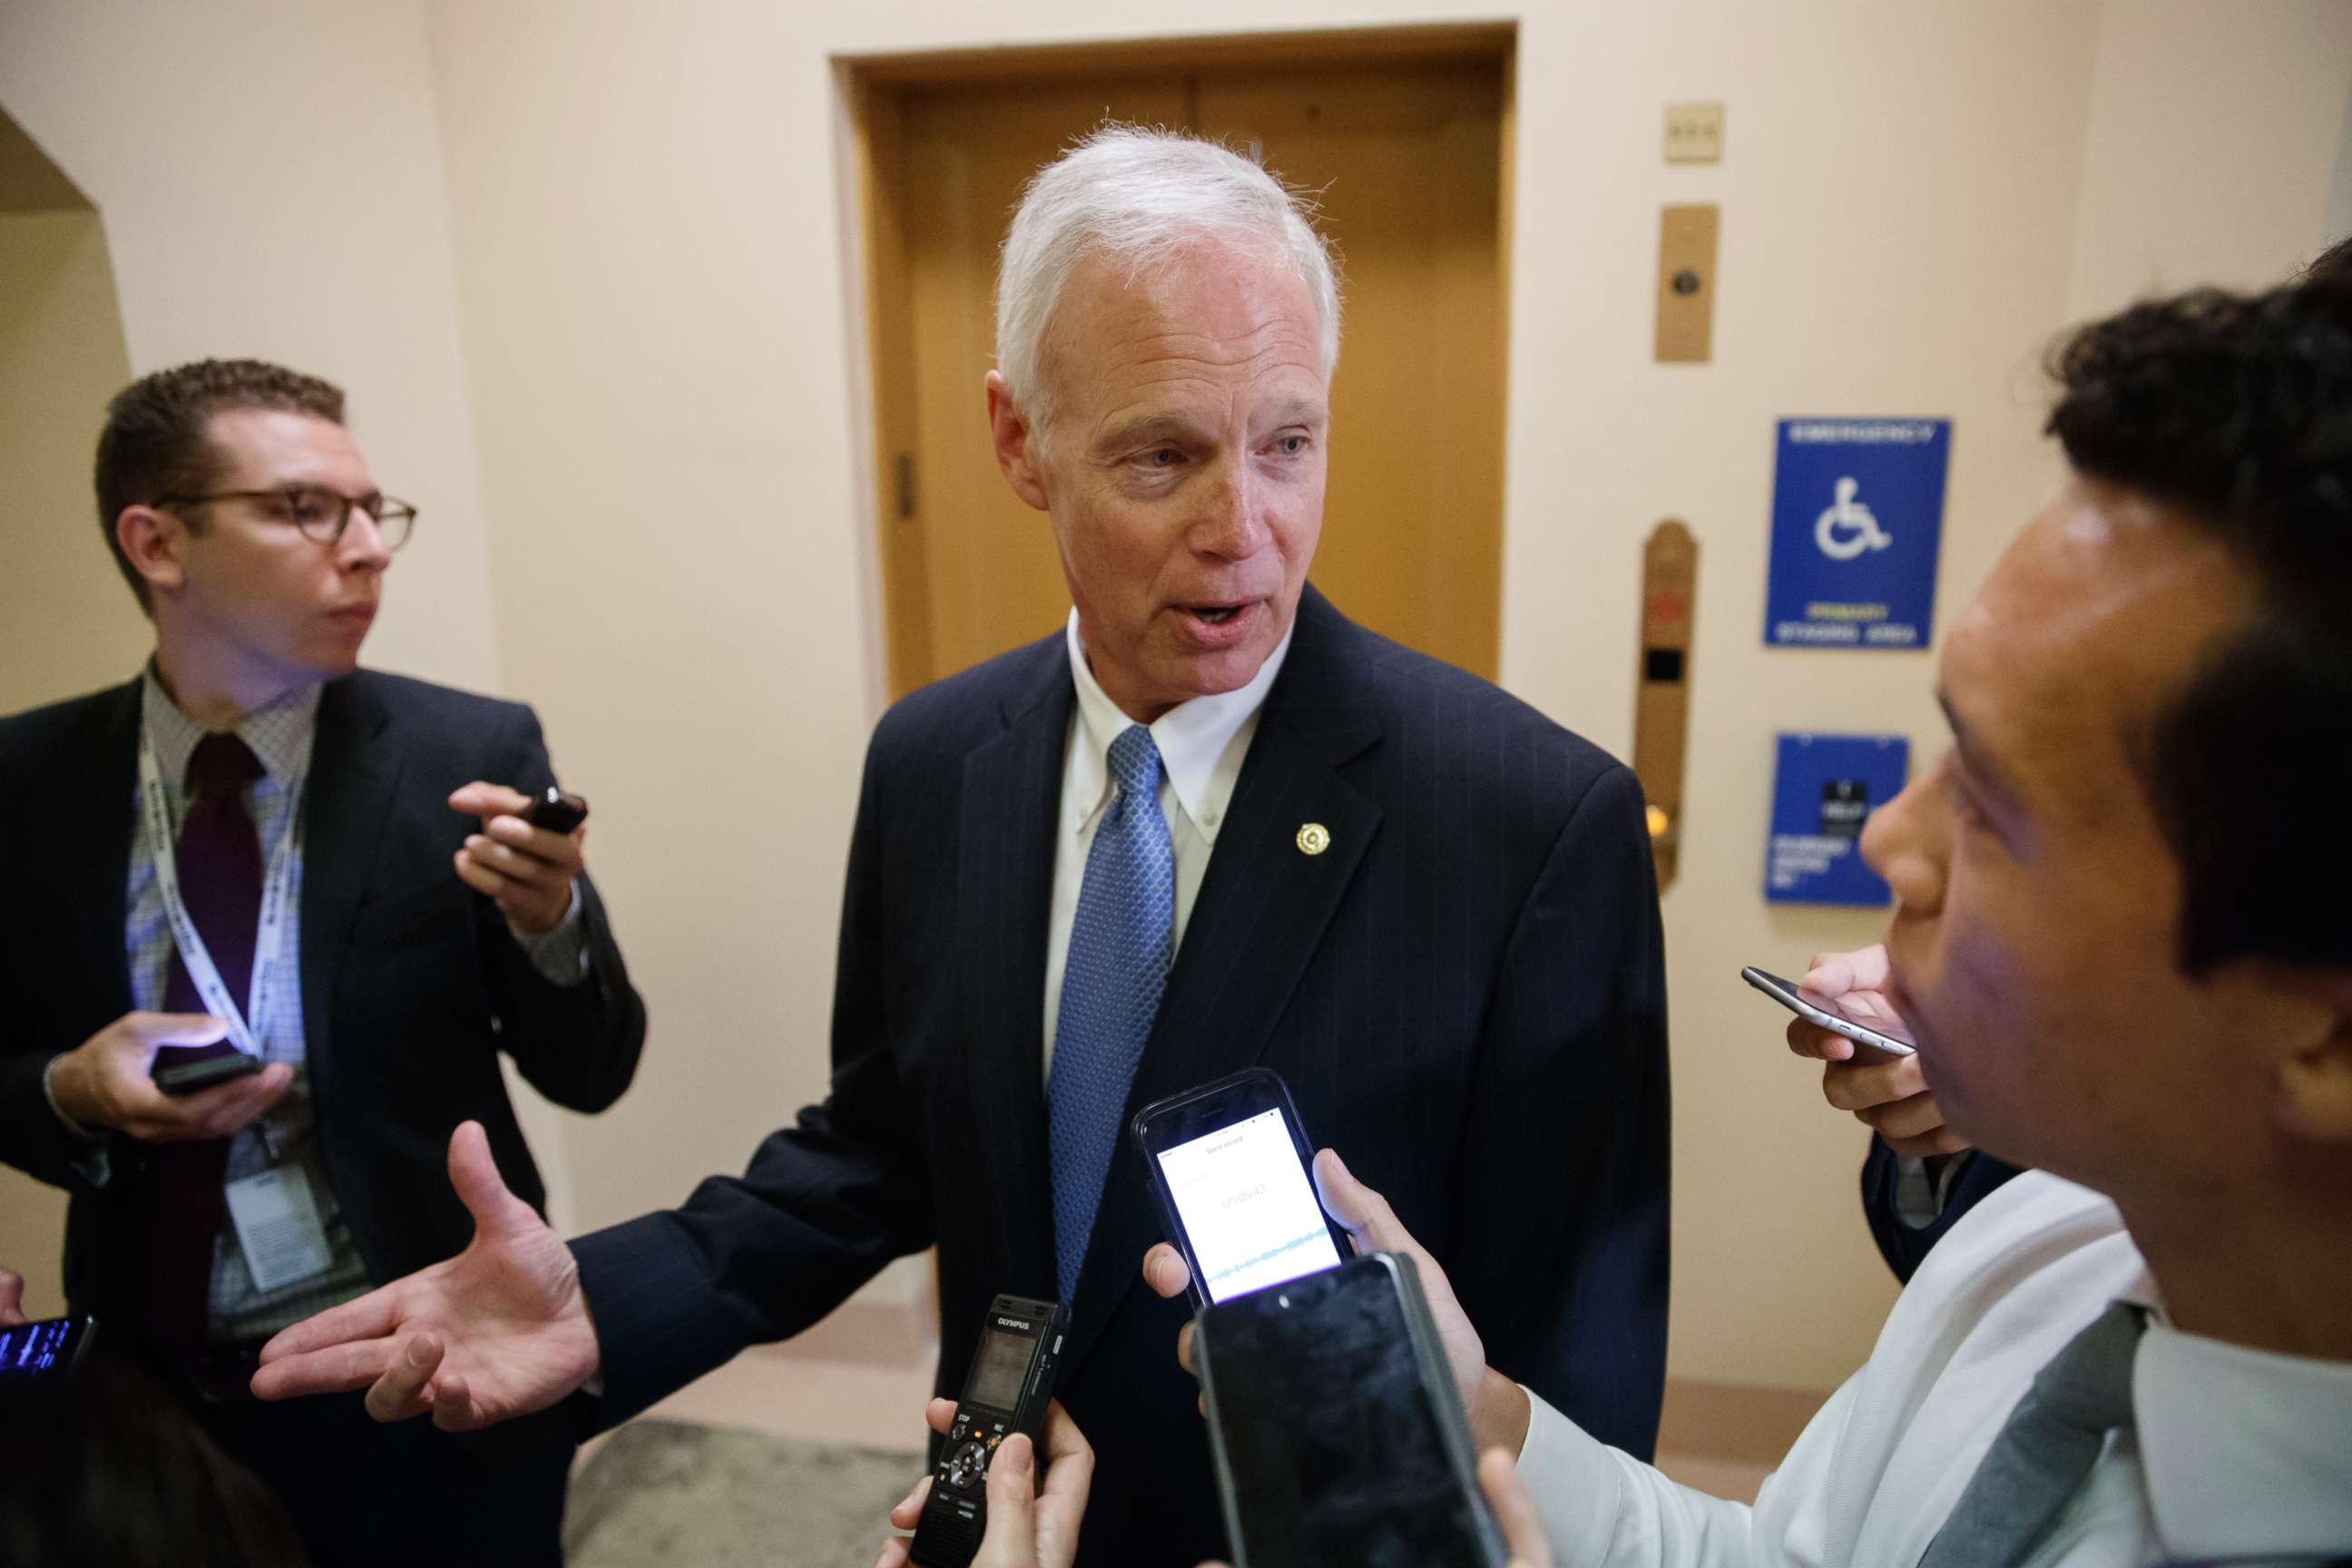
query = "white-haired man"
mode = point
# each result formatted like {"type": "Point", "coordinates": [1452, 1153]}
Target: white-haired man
{"type": "Point", "coordinates": [1429, 907]}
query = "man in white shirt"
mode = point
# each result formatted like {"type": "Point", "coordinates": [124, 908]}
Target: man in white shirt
{"type": "Point", "coordinates": [2119, 942]}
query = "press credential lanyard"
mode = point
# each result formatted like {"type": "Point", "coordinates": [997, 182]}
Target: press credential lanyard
{"type": "Point", "coordinates": [268, 937]}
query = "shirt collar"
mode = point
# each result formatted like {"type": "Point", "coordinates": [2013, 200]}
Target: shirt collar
{"type": "Point", "coordinates": [1193, 738]}
{"type": "Point", "coordinates": [2243, 1450]}
{"type": "Point", "coordinates": [279, 734]}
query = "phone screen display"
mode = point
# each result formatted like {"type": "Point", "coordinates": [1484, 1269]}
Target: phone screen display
{"type": "Point", "coordinates": [1000, 1368]}
{"type": "Point", "coordinates": [29, 1350]}
{"type": "Point", "coordinates": [1247, 1205]}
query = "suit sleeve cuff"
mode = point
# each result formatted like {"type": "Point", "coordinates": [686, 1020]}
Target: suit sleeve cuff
{"type": "Point", "coordinates": [90, 1157]}
{"type": "Point", "coordinates": [559, 955]}
{"type": "Point", "coordinates": [1576, 1484]}
{"type": "Point", "coordinates": [660, 1324]}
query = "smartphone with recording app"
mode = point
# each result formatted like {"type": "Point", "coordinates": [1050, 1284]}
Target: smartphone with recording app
{"type": "Point", "coordinates": [1336, 1428]}
{"type": "Point", "coordinates": [1230, 1166]}
{"type": "Point", "coordinates": [1877, 1039]}
{"type": "Point", "coordinates": [51, 1347]}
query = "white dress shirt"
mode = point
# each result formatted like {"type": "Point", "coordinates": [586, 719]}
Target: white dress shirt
{"type": "Point", "coordinates": [2236, 1453]}
{"type": "Point", "coordinates": [1201, 744]}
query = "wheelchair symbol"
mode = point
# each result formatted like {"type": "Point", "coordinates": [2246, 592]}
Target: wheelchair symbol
{"type": "Point", "coordinates": [1848, 528]}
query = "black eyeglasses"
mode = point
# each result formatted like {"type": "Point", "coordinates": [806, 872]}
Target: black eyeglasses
{"type": "Point", "coordinates": [321, 513]}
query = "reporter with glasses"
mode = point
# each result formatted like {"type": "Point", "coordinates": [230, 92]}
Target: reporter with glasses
{"type": "Point", "coordinates": [308, 887]}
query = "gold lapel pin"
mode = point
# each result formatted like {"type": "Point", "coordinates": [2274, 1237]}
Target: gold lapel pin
{"type": "Point", "coordinates": [1313, 838]}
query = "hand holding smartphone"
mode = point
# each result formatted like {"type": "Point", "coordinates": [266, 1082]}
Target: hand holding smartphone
{"type": "Point", "coordinates": [1875, 1038]}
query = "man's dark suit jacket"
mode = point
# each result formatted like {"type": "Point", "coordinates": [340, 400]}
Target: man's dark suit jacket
{"type": "Point", "coordinates": [411, 983]}
{"type": "Point", "coordinates": [1903, 1246]}
{"type": "Point", "coordinates": [1465, 994]}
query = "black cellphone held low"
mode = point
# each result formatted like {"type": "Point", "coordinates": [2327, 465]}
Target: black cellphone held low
{"type": "Point", "coordinates": [556, 811]}
{"type": "Point", "coordinates": [181, 1070]}
{"type": "Point", "coordinates": [1007, 1391]}
{"type": "Point", "coordinates": [1338, 1434]}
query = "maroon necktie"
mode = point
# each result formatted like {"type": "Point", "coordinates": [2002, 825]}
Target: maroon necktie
{"type": "Point", "coordinates": [219, 860]}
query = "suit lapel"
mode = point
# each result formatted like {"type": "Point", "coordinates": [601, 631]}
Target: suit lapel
{"type": "Point", "coordinates": [1261, 914]}
{"type": "Point", "coordinates": [352, 779]}
{"type": "Point", "coordinates": [95, 821]}
{"type": "Point", "coordinates": [1011, 803]}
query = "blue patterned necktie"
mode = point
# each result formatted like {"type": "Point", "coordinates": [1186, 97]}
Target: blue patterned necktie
{"type": "Point", "coordinates": [1121, 945]}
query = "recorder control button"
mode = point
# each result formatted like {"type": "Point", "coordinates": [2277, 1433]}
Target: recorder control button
{"type": "Point", "coordinates": [970, 1464]}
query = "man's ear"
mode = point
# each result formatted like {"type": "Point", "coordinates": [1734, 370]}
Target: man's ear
{"type": "Point", "coordinates": [2316, 1078]}
{"type": "Point", "coordinates": [1016, 444]}
{"type": "Point", "coordinates": [154, 542]}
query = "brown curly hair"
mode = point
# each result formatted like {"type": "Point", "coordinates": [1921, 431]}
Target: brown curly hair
{"type": "Point", "coordinates": [156, 440]}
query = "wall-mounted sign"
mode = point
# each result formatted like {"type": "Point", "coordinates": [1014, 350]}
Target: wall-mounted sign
{"type": "Point", "coordinates": [1857, 525]}
{"type": "Point", "coordinates": [1824, 787]}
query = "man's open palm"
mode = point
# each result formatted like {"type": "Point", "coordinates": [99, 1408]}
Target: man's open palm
{"type": "Point", "coordinates": [500, 1331]}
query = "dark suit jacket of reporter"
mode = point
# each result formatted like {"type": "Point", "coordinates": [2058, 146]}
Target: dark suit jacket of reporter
{"type": "Point", "coordinates": [411, 983]}
{"type": "Point", "coordinates": [1465, 994]}
{"type": "Point", "coordinates": [1903, 1246]}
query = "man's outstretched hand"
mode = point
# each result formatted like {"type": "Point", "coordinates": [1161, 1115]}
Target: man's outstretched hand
{"type": "Point", "coordinates": [500, 1331]}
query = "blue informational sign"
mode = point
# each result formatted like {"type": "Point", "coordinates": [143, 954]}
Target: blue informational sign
{"type": "Point", "coordinates": [1824, 787]}
{"type": "Point", "coordinates": [1857, 525]}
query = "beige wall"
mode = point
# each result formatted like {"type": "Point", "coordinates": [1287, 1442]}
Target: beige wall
{"type": "Point", "coordinates": [66, 621]}
{"type": "Point", "coordinates": [605, 247]}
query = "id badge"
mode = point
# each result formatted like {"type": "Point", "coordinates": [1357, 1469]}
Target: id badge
{"type": "Point", "coordinates": [277, 1225]}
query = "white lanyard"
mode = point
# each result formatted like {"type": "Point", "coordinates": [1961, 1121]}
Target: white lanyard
{"type": "Point", "coordinates": [277, 890]}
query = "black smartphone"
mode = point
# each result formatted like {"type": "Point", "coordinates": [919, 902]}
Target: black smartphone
{"type": "Point", "coordinates": [185, 1069]}
{"type": "Point", "coordinates": [1230, 1166]}
{"type": "Point", "coordinates": [1338, 1433]}
{"type": "Point", "coordinates": [1875, 1038]}
{"type": "Point", "coordinates": [1007, 1391]}
{"type": "Point", "coordinates": [48, 1348]}
{"type": "Point", "coordinates": [556, 811]}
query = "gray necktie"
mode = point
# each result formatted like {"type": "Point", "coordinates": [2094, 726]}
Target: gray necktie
{"type": "Point", "coordinates": [2046, 1448]}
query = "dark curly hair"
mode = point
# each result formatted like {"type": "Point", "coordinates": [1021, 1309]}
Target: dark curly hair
{"type": "Point", "coordinates": [2237, 409]}
{"type": "Point", "coordinates": [155, 442]}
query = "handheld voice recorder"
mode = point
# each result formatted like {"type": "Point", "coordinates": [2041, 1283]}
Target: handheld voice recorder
{"type": "Point", "coordinates": [1007, 1390]}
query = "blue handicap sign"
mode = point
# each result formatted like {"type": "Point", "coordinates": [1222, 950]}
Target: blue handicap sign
{"type": "Point", "coordinates": [1857, 525]}
{"type": "Point", "coordinates": [1824, 787]}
